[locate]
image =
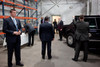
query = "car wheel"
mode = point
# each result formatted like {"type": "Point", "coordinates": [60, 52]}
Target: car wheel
{"type": "Point", "coordinates": [70, 40]}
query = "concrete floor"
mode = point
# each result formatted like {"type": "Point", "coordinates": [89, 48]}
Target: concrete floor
{"type": "Point", "coordinates": [61, 53]}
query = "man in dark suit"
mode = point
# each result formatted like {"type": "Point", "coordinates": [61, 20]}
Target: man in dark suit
{"type": "Point", "coordinates": [31, 31]}
{"type": "Point", "coordinates": [12, 28]}
{"type": "Point", "coordinates": [60, 26]}
{"type": "Point", "coordinates": [46, 34]}
{"type": "Point", "coordinates": [82, 37]}
{"type": "Point", "coordinates": [55, 25]}
{"type": "Point", "coordinates": [42, 20]}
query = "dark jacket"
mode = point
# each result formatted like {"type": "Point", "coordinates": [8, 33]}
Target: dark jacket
{"type": "Point", "coordinates": [82, 29]}
{"type": "Point", "coordinates": [46, 32]}
{"type": "Point", "coordinates": [9, 27]}
{"type": "Point", "coordinates": [29, 28]}
{"type": "Point", "coordinates": [55, 24]}
{"type": "Point", "coordinates": [42, 20]}
{"type": "Point", "coordinates": [60, 25]}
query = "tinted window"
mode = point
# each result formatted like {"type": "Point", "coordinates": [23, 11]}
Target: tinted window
{"type": "Point", "coordinates": [92, 23]}
{"type": "Point", "coordinates": [98, 22]}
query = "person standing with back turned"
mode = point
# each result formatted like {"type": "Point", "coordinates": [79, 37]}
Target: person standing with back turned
{"type": "Point", "coordinates": [55, 25]}
{"type": "Point", "coordinates": [82, 38]}
{"type": "Point", "coordinates": [46, 34]}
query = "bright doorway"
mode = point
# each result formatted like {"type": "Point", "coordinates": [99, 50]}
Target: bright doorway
{"type": "Point", "coordinates": [56, 17]}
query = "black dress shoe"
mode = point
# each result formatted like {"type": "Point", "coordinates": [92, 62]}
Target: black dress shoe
{"type": "Point", "coordinates": [74, 59]}
{"type": "Point", "coordinates": [84, 60]}
{"type": "Point", "coordinates": [28, 45]}
{"type": "Point", "coordinates": [60, 39]}
{"type": "Point", "coordinates": [50, 57]}
{"type": "Point", "coordinates": [19, 64]}
{"type": "Point", "coordinates": [9, 66]}
{"type": "Point", "coordinates": [32, 45]}
{"type": "Point", "coordinates": [43, 57]}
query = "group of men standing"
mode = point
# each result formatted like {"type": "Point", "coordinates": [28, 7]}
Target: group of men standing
{"type": "Point", "coordinates": [12, 28]}
{"type": "Point", "coordinates": [81, 36]}
{"type": "Point", "coordinates": [57, 26]}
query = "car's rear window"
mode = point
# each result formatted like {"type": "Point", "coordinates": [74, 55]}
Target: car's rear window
{"type": "Point", "coordinates": [98, 22]}
{"type": "Point", "coordinates": [92, 22]}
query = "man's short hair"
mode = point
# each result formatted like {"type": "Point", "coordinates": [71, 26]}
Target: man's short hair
{"type": "Point", "coordinates": [81, 17]}
{"type": "Point", "coordinates": [46, 18]}
{"type": "Point", "coordinates": [12, 10]}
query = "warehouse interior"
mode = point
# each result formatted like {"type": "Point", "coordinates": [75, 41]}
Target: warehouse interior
{"type": "Point", "coordinates": [33, 10]}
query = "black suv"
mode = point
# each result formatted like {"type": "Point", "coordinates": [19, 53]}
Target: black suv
{"type": "Point", "coordinates": [94, 31]}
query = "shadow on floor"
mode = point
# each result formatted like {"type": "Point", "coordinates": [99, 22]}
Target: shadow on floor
{"type": "Point", "coordinates": [45, 63]}
{"type": "Point", "coordinates": [55, 57]}
{"type": "Point", "coordinates": [93, 60]}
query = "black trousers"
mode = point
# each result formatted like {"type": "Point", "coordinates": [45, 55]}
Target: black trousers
{"type": "Point", "coordinates": [31, 38]}
{"type": "Point", "coordinates": [78, 48]}
{"type": "Point", "coordinates": [60, 34]}
{"type": "Point", "coordinates": [11, 47]}
{"type": "Point", "coordinates": [48, 45]}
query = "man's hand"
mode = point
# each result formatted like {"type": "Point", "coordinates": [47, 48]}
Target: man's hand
{"type": "Point", "coordinates": [60, 29]}
{"type": "Point", "coordinates": [17, 33]}
{"type": "Point", "coordinates": [52, 39]}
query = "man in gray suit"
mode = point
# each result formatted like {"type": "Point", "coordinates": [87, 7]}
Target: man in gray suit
{"type": "Point", "coordinates": [82, 37]}
{"type": "Point", "coordinates": [31, 31]}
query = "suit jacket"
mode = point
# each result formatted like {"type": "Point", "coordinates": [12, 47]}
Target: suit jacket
{"type": "Point", "coordinates": [42, 20]}
{"type": "Point", "coordinates": [9, 27]}
{"type": "Point", "coordinates": [55, 24]}
{"type": "Point", "coordinates": [29, 28]}
{"type": "Point", "coordinates": [46, 32]}
{"type": "Point", "coordinates": [60, 25]}
{"type": "Point", "coordinates": [82, 29]}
